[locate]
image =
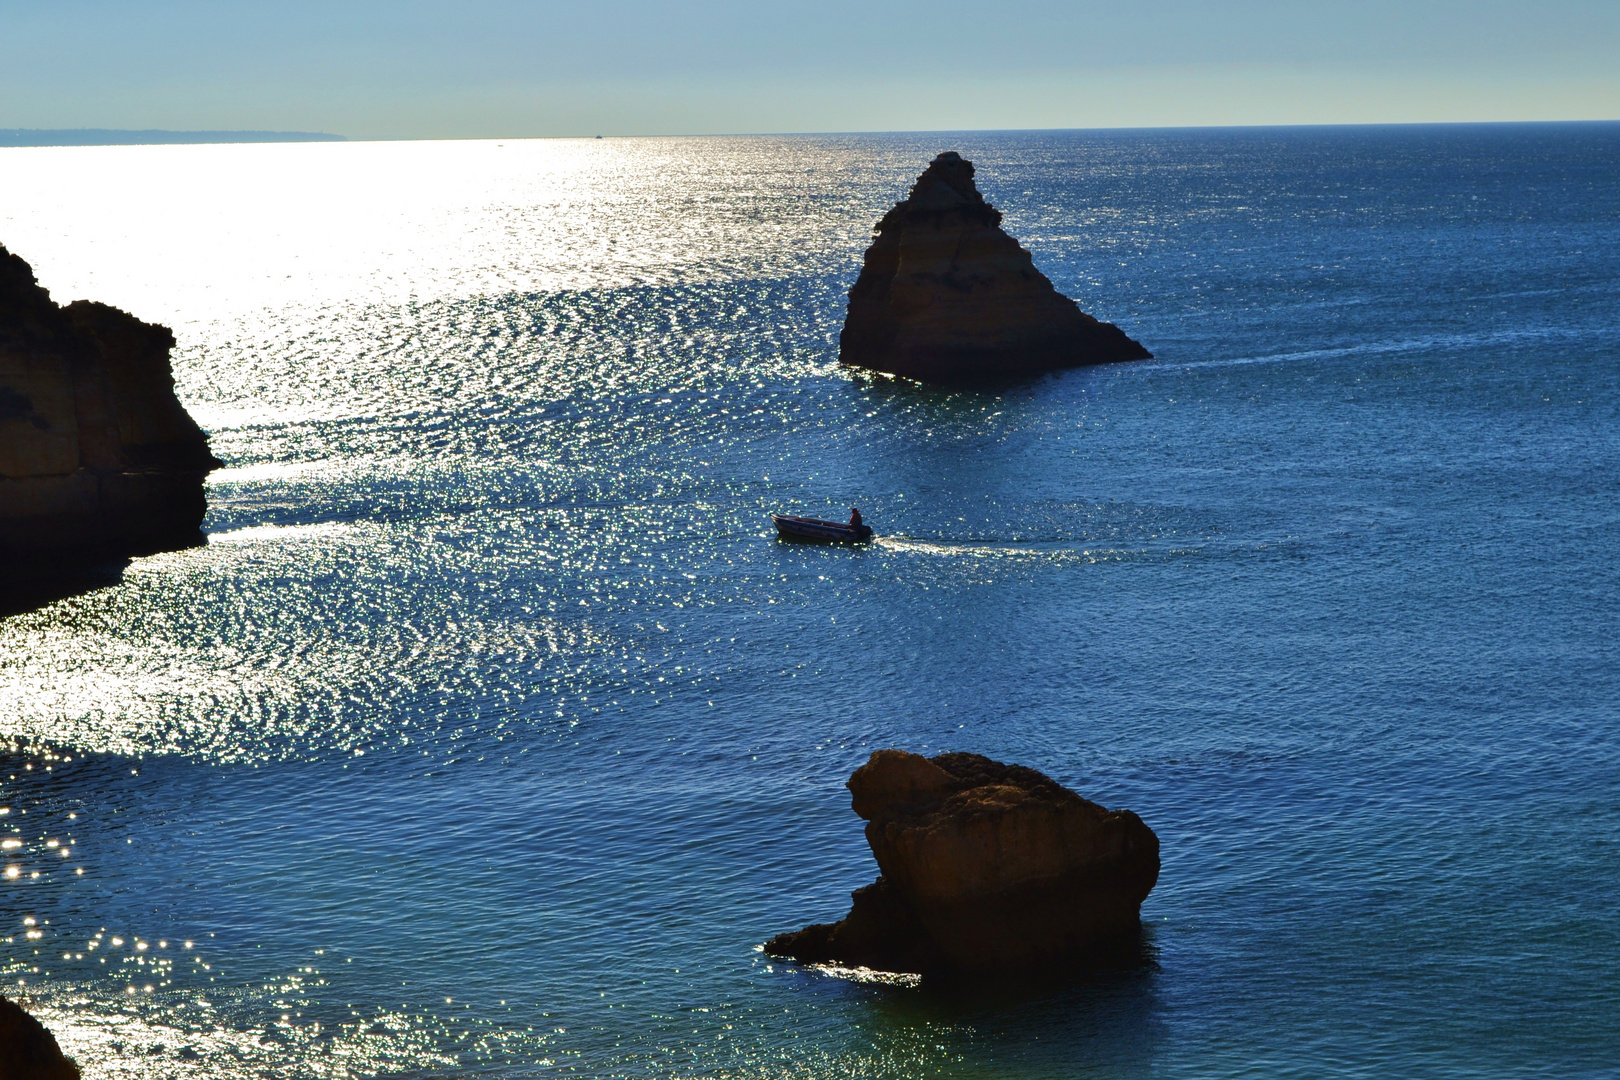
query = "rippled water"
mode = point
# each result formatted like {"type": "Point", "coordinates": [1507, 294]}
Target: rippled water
{"type": "Point", "coordinates": [492, 731]}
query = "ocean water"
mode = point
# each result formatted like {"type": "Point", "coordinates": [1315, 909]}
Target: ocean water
{"type": "Point", "coordinates": [492, 731]}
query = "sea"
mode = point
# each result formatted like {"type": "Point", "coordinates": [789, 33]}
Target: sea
{"type": "Point", "coordinates": [492, 731]}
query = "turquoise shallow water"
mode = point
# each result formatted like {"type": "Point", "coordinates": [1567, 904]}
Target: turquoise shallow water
{"type": "Point", "coordinates": [492, 731]}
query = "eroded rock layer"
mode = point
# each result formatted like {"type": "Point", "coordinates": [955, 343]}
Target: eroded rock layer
{"type": "Point", "coordinates": [946, 295]}
{"type": "Point", "coordinates": [985, 867]}
{"type": "Point", "coordinates": [97, 457]}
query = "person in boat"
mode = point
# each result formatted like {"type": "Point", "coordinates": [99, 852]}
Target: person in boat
{"type": "Point", "coordinates": [855, 521]}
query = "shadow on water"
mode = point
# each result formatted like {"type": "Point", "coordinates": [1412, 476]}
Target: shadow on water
{"type": "Point", "coordinates": [1096, 1018]}
{"type": "Point", "coordinates": [1101, 1019]}
{"type": "Point", "coordinates": [901, 390]}
{"type": "Point", "coordinates": [28, 588]}
{"type": "Point", "coordinates": [790, 540]}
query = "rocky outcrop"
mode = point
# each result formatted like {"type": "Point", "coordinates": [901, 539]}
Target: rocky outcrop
{"type": "Point", "coordinates": [27, 1050]}
{"type": "Point", "coordinates": [946, 295]}
{"type": "Point", "coordinates": [985, 868]}
{"type": "Point", "coordinates": [97, 457]}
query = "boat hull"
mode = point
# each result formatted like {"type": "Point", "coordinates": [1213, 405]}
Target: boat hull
{"type": "Point", "coordinates": [789, 527]}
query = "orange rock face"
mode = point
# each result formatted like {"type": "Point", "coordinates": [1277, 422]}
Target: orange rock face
{"type": "Point", "coordinates": [986, 867]}
{"type": "Point", "coordinates": [97, 457]}
{"type": "Point", "coordinates": [946, 295]}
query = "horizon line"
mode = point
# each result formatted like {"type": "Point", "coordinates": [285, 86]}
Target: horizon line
{"type": "Point", "coordinates": [25, 138]}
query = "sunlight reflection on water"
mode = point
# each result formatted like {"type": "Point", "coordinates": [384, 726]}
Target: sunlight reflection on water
{"type": "Point", "coordinates": [492, 683]}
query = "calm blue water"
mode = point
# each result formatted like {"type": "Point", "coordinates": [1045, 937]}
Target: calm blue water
{"type": "Point", "coordinates": [492, 731]}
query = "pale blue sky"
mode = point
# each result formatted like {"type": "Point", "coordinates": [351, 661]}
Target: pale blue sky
{"type": "Point", "coordinates": [411, 68]}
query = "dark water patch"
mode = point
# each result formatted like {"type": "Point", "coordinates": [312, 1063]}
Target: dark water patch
{"type": "Point", "coordinates": [27, 587]}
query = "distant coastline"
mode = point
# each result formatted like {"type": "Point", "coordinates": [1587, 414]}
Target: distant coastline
{"type": "Point", "coordinates": [117, 137]}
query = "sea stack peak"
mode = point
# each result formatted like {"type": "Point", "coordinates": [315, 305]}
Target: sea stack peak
{"type": "Point", "coordinates": [946, 295]}
{"type": "Point", "coordinates": [947, 184]}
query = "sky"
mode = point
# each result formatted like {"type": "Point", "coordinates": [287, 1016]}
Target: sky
{"type": "Point", "coordinates": [510, 68]}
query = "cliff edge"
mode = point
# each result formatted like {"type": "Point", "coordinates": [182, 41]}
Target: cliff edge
{"type": "Point", "coordinates": [945, 295]}
{"type": "Point", "coordinates": [98, 459]}
{"type": "Point", "coordinates": [986, 868]}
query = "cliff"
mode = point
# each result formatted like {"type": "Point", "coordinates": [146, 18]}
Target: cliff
{"type": "Point", "coordinates": [985, 868]}
{"type": "Point", "coordinates": [98, 460]}
{"type": "Point", "coordinates": [946, 295]}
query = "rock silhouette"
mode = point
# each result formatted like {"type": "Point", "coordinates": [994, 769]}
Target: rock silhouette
{"type": "Point", "coordinates": [945, 295]}
{"type": "Point", "coordinates": [985, 867]}
{"type": "Point", "coordinates": [98, 460]}
{"type": "Point", "coordinates": [27, 1050]}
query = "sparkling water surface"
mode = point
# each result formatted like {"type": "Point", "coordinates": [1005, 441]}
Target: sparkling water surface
{"type": "Point", "coordinates": [492, 730]}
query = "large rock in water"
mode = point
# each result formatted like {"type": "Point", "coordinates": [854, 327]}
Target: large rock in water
{"type": "Point", "coordinates": [27, 1050]}
{"type": "Point", "coordinates": [986, 868]}
{"type": "Point", "coordinates": [97, 457]}
{"type": "Point", "coordinates": [946, 295]}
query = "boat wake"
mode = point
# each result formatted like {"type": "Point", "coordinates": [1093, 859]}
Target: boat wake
{"type": "Point", "coordinates": [1065, 551]}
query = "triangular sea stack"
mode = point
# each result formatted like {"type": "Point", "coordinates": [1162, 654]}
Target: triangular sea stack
{"type": "Point", "coordinates": [986, 868]}
{"type": "Point", "coordinates": [945, 295]}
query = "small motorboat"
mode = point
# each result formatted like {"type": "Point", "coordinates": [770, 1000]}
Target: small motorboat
{"type": "Point", "coordinates": [789, 527]}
